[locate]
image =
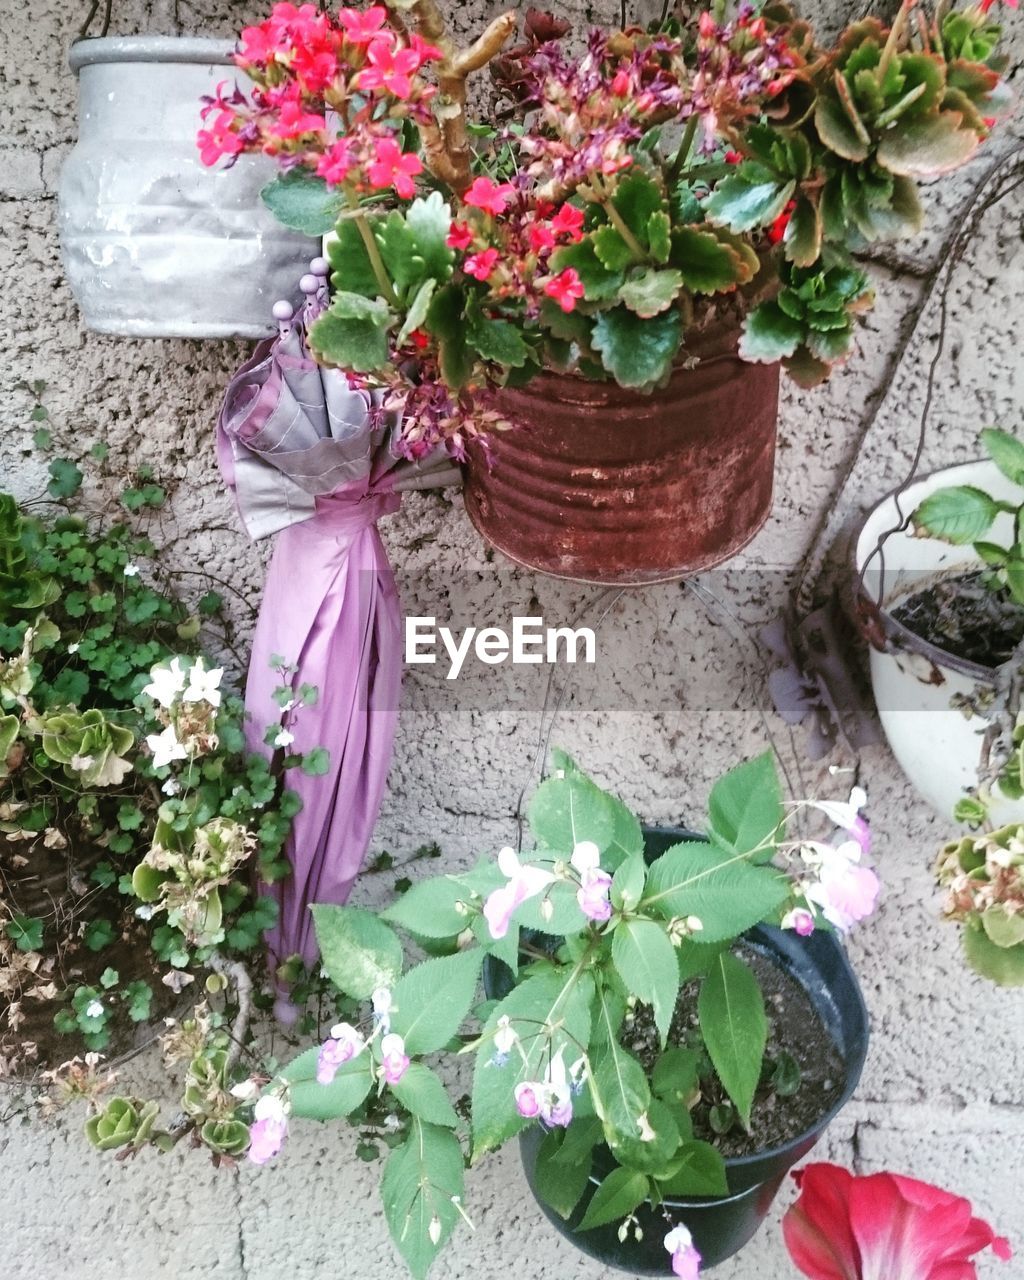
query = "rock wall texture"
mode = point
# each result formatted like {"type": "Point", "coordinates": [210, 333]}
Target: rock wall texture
{"type": "Point", "coordinates": [678, 695]}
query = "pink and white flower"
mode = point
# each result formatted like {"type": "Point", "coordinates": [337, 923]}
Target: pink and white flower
{"type": "Point", "coordinates": [394, 1059]}
{"type": "Point", "coordinates": [549, 1099]}
{"type": "Point", "coordinates": [269, 1129]}
{"type": "Point", "coordinates": [848, 816]}
{"type": "Point", "coordinates": [800, 920]}
{"type": "Point", "coordinates": [523, 882]}
{"type": "Point", "coordinates": [595, 883]}
{"type": "Point", "coordinates": [845, 890]}
{"type": "Point", "coordinates": [344, 1044]}
{"type": "Point", "coordinates": [685, 1258]}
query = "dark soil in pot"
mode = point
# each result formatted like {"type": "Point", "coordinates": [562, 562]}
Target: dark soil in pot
{"type": "Point", "coordinates": [795, 1032]}
{"type": "Point", "coordinates": [964, 617]}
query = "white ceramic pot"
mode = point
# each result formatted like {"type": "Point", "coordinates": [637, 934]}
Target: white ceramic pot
{"type": "Point", "coordinates": [937, 745]}
{"type": "Point", "coordinates": [154, 243]}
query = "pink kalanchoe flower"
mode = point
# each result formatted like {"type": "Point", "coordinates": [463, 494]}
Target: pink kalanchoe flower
{"type": "Point", "coordinates": [336, 163]}
{"type": "Point", "coordinates": [541, 236]}
{"type": "Point", "coordinates": [523, 882]}
{"type": "Point", "coordinates": [685, 1258]}
{"type": "Point", "coordinates": [293, 120]}
{"type": "Point", "coordinates": [218, 140]}
{"type": "Point", "coordinates": [396, 168]}
{"type": "Point", "coordinates": [566, 288]}
{"type": "Point", "coordinates": [344, 1044]}
{"type": "Point", "coordinates": [363, 27]}
{"type": "Point", "coordinates": [394, 1059]}
{"type": "Point", "coordinates": [568, 221]}
{"type": "Point", "coordinates": [883, 1227]}
{"type": "Point", "coordinates": [481, 265]}
{"type": "Point", "coordinates": [489, 196]}
{"type": "Point", "coordinates": [460, 236]}
{"type": "Point", "coordinates": [389, 70]}
{"type": "Point", "coordinates": [424, 52]}
{"type": "Point", "coordinates": [527, 1095]}
{"type": "Point", "coordinates": [269, 1130]}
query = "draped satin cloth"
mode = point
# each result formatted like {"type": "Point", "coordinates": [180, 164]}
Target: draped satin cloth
{"type": "Point", "coordinates": [330, 609]}
{"type": "Point", "coordinates": [309, 459]}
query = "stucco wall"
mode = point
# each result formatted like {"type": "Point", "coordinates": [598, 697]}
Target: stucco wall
{"type": "Point", "coordinates": [677, 697]}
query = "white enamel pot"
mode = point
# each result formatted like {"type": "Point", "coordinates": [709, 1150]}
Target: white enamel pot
{"type": "Point", "coordinates": [154, 243]}
{"type": "Point", "coordinates": [915, 683]}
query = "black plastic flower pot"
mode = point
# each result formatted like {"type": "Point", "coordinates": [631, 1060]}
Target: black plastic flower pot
{"type": "Point", "coordinates": [722, 1226]}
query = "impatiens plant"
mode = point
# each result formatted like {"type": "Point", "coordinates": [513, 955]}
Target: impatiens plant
{"type": "Point", "coordinates": [576, 940]}
{"type": "Point", "coordinates": [728, 163]}
{"type": "Point", "coordinates": [883, 1227]}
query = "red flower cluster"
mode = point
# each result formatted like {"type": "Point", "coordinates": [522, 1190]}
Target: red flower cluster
{"type": "Point", "coordinates": [328, 93]}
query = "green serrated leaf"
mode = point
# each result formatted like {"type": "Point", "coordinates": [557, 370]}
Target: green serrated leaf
{"type": "Point", "coordinates": [359, 951]}
{"type": "Point", "coordinates": [724, 891]}
{"type": "Point", "coordinates": [734, 1028]}
{"type": "Point", "coordinates": [769, 334]}
{"type": "Point", "coordinates": [646, 963]}
{"type": "Point", "coordinates": [616, 1198]}
{"type": "Point", "coordinates": [638, 353]}
{"type": "Point", "coordinates": [421, 1184]}
{"type": "Point", "coordinates": [1006, 451]}
{"type": "Point", "coordinates": [420, 1091]}
{"type": "Point", "coordinates": [741, 205]}
{"type": "Point", "coordinates": [430, 1003]}
{"type": "Point", "coordinates": [959, 514]}
{"type": "Point", "coordinates": [560, 1184]}
{"type": "Point", "coordinates": [651, 292]}
{"type": "Point", "coordinates": [745, 806]}
{"type": "Point", "coordinates": [434, 908]}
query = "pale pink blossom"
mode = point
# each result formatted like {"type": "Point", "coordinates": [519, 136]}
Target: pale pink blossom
{"type": "Point", "coordinates": [344, 1044]}
{"type": "Point", "coordinates": [394, 1059]}
{"type": "Point", "coordinates": [685, 1258]}
{"type": "Point", "coordinates": [523, 882]}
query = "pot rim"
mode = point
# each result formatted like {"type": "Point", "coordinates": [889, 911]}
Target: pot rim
{"type": "Point", "coordinates": [902, 636]}
{"type": "Point", "coordinates": [204, 50]}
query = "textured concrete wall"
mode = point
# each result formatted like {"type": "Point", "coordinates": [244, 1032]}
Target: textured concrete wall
{"type": "Point", "coordinates": [678, 696]}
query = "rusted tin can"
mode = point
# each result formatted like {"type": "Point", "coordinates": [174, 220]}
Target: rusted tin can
{"type": "Point", "coordinates": [600, 484]}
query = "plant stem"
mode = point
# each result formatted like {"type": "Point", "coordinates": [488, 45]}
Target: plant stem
{"type": "Point", "coordinates": [372, 250]}
{"type": "Point", "coordinates": [616, 219]}
{"type": "Point", "coordinates": [683, 154]}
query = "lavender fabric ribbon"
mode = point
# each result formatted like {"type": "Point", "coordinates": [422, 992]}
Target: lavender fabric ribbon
{"type": "Point", "coordinates": [309, 458]}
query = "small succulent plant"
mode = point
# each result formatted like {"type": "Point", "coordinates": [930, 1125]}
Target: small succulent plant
{"type": "Point", "coordinates": [91, 747]}
{"type": "Point", "coordinates": [122, 1122]}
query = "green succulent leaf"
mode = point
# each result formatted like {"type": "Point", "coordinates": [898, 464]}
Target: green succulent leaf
{"type": "Point", "coordinates": [651, 292]}
{"type": "Point", "coordinates": [741, 204]}
{"type": "Point", "coordinates": [769, 334]}
{"type": "Point", "coordinates": [304, 202]}
{"type": "Point", "coordinates": [928, 147]}
{"type": "Point", "coordinates": [638, 353]}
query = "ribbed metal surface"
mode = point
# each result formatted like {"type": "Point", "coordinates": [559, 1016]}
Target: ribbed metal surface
{"type": "Point", "coordinates": [600, 484]}
{"type": "Point", "coordinates": [154, 243]}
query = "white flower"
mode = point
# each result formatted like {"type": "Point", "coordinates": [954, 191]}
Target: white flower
{"type": "Point", "coordinates": [245, 1090]}
{"type": "Point", "coordinates": [165, 747]}
{"type": "Point", "coordinates": [203, 685]}
{"type": "Point", "coordinates": [131, 570]}
{"type": "Point", "coordinates": [284, 739]}
{"type": "Point", "coordinates": [94, 1009]}
{"type": "Point", "coordinates": [505, 1036]}
{"type": "Point", "coordinates": [81, 763]}
{"type": "Point", "coordinates": [145, 912]}
{"type": "Point", "coordinates": [171, 787]}
{"type": "Point", "coordinates": [586, 856]}
{"type": "Point", "coordinates": [270, 1107]}
{"type": "Point", "coordinates": [381, 1000]}
{"type": "Point", "coordinates": [74, 647]}
{"type": "Point", "coordinates": [166, 682]}
{"type": "Point", "coordinates": [434, 1229]}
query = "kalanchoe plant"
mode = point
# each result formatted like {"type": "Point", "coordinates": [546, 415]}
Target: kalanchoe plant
{"type": "Point", "coordinates": [730, 163]}
{"type": "Point", "coordinates": [983, 879]}
{"type": "Point", "coordinates": [577, 937]}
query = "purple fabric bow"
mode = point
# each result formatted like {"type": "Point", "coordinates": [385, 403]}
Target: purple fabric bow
{"type": "Point", "coordinates": [310, 458]}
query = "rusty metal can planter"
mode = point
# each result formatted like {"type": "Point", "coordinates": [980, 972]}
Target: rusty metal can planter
{"type": "Point", "coordinates": [597, 483]}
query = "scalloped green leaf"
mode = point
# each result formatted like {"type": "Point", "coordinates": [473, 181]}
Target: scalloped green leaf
{"type": "Point", "coordinates": [636, 352]}
{"type": "Point", "coordinates": [769, 334]}
{"type": "Point", "coordinates": [741, 205]}
{"type": "Point", "coordinates": [304, 202]}
{"type": "Point", "coordinates": [928, 147]}
{"type": "Point", "coordinates": [651, 292]}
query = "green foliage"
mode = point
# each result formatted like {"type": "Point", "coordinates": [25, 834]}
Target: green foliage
{"type": "Point", "coordinates": [422, 1184]}
{"type": "Point", "coordinates": [359, 952]}
{"type": "Point", "coordinates": [303, 202]}
{"type": "Point", "coordinates": [734, 1028]}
